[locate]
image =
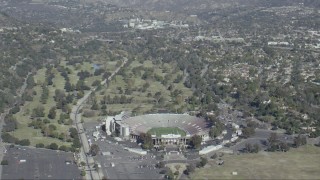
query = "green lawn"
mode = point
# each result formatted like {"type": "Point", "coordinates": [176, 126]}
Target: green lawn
{"type": "Point", "coordinates": [301, 163]}
{"type": "Point", "coordinates": [166, 130]}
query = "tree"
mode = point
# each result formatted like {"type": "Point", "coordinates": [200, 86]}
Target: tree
{"type": "Point", "coordinates": [68, 86]}
{"type": "Point", "coordinates": [52, 127]}
{"type": "Point", "coordinates": [196, 141]}
{"type": "Point", "coordinates": [256, 148]}
{"type": "Point", "coordinates": [190, 169]}
{"type": "Point", "coordinates": [82, 163]}
{"type": "Point", "coordinates": [170, 174]}
{"type": "Point", "coordinates": [146, 139]}
{"type": "Point", "coordinates": [30, 82]}
{"type": "Point", "coordinates": [252, 124]}
{"type": "Point", "coordinates": [252, 149]}
{"type": "Point", "coordinates": [203, 161]}
{"type": "Point", "coordinates": [45, 94]}
{"type": "Point", "coordinates": [38, 112]}
{"type": "Point", "coordinates": [94, 149]}
{"type": "Point", "coordinates": [96, 83]}
{"type": "Point", "coordinates": [284, 147]}
{"type": "Point", "coordinates": [299, 140]}
{"type": "Point", "coordinates": [248, 131]}
{"type": "Point", "coordinates": [6, 137]}
{"type": "Point", "coordinates": [69, 98]}
{"type": "Point", "coordinates": [273, 142]}
{"type": "Point", "coordinates": [76, 143]}
{"type": "Point", "coordinates": [14, 110]}
{"type": "Point", "coordinates": [73, 132]}
{"type": "Point", "coordinates": [248, 147]}
{"type": "Point", "coordinates": [10, 123]}
{"type": "Point", "coordinates": [95, 105]}
{"type": "Point", "coordinates": [214, 156]}
{"type": "Point", "coordinates": [157, 96]}
{"type": "Point", "coordinates": [52, 113]}
{"type": "Point", "coordinates": [96, 166]}
{"type": "Point", "coordinates": [273, 138]}
{"type": "Point", "coordinates": [275, 145]}
{"type": "Point", "coordinates": [215, 131]}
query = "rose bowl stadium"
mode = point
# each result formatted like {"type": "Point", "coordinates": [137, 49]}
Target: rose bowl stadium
{"type": "Point", "coordinates": [164, 128]}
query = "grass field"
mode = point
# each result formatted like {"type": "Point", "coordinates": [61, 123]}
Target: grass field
{"type": "Point", "coordinates": [166, 130]}
{"type": "Point", "coordinates": [301, 163]}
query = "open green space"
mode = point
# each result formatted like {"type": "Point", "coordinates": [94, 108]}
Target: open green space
{"type": "Point", "coordinates": [141, 89]}
{"type": "Point", "coordinates": [166, 130]}
{"type": "Point", "coordinates": [301, 163]}
{"type": "Point", "coordinates": [24, 115]}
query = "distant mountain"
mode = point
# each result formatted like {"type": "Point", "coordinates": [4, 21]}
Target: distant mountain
{"type": "Point", "coordinates": [178, 5]}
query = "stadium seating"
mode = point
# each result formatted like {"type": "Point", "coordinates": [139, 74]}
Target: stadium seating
{"type": "Point", "coordinates": [190, 124]}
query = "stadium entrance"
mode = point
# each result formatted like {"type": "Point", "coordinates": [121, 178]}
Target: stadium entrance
{"type": "Point", "coordinates": [169, 139]}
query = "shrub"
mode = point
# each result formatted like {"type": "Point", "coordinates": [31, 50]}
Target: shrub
{"type": "Point", "coordinates": [63, 148]}
{"type": "Point", "coordinates": [53, 146]}
{"type": "Point", "coordinates": [203, 161]}
{"type": "Point", "coordinates": [46, 121]}
{"type": "Point", "coordinates": [160, 164]}
{"type": "Point", "coordinates": [214, 156]}
{"type": "Point", "coordinates": [163, 171]}
{"type": "Point", "coordinates": [82, 163]}
{"type": "Point", "coordinates": [88, 113]}
{"type": "Point", "coordinates": [190, 169]}
{"type": "Point", "coordinates": [83, 173]}
{"type": "Point", "coordinates": [4, 162]}
{"type": "Point", "coordinates": [40, 145]}
{"type": "Point", "coordinates": [24, 142]}
{"type": "Point", "coordinates": [6, 137]}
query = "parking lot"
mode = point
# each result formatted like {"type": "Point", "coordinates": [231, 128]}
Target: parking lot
{"type": "Point", "coordinates": [31, 163]}
{"type": "Point", "coordinates": [127, 165]}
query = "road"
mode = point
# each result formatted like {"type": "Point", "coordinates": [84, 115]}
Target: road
{"type": "Point", "coordinates": [75, 115]}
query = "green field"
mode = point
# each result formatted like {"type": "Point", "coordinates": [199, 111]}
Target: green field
{"type": "Point", "coordinates": [166, 130]}
{"type": "Point", "coordinates": [301, 163]}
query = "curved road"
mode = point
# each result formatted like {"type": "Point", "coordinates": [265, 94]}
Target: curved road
{"type": "Point", "coordinates": [75, 115]}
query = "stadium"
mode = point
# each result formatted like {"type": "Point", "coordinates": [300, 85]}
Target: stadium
{"type": "Point", "coordinates": [164, 128]}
